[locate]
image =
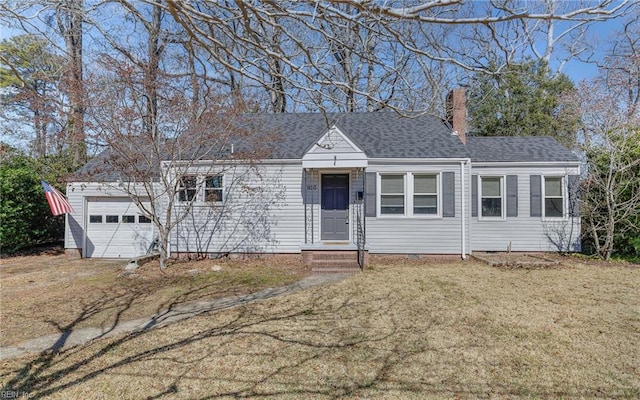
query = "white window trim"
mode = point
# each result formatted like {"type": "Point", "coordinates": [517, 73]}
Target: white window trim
{"type": "Point", "coordinates": [408, 195]}
{"type": "Point", "coordinates": [379, 194]}
{"type": "Point", "coordinates": [204, 189]}
{"type": "Point", "coordinates": [503, 202]}
{"type": "Point", "coordinates": [200, 197]}
{"type": "Point", "coordinates": [410, 186]}
{"type": "Point", "coordinates": [565, 211]}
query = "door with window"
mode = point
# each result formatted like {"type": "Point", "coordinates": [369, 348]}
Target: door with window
{"type": "Point", "coordinates": [335, 207]}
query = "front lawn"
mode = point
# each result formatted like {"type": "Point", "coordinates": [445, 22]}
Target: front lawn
{"type": "Point", "coordinates": [419, 330]}
{"type": "Point", "coordinates": [43, 295]}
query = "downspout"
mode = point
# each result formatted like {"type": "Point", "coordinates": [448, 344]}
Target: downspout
{"type": "Point", "coordinates": [470, 224]}
{"type": "Point", "coordinates": [464, 217]}
{"type": "Point", "coordinates": [363, 207]}
{"type": "Point", "coordinates": [313, 206]}
{"type": "Point", "coordinates": [85, 218]}
{"type": "Point", "coordinates": [304, 202]}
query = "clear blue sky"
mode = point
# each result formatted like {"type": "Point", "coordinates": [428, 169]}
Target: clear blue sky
{"type": "Point", "coordinates": [600, 35]}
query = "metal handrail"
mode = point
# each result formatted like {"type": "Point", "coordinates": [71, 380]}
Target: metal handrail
{"type": "Point", "coordinates": [360, 241]}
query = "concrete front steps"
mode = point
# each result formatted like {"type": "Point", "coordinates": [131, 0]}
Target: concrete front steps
{"type": "Point", "coordinates": [333, 261]}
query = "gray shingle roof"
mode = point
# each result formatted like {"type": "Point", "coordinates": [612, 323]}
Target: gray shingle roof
{"type": "Point", "coordinates": [380, 135]}
{"type": "Point", "coordinates": [525, 149]}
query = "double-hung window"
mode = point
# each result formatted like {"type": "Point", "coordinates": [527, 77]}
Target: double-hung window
{"type": "Point", "coordinates": [491, 197]}
{"type": "Point", "coordinates": [213, 188]}
{"type": "Point", "coordinates": [392, 194]}
{"type": "Point", "coordinates": [553, 197]}
{"type": "Point", "coordinates": [188, 188]}
{"type": "Point", "coordinates": [425, 194]}
{"type": "Point", "coordinates": [200, 188]}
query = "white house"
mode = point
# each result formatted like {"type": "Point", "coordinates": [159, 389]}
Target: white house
{"type": "Point", "coordinates": [354, 183]}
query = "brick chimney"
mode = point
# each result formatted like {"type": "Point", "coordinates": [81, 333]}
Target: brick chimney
{"type": "Point", "coordinates": [457, 113]}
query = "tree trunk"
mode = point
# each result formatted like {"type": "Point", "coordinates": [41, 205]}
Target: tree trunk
{"type": "Point", "coordinates": [70, 17]}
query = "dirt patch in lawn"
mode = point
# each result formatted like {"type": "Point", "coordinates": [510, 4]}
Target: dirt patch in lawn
{"type": "Point", "coordinates": [437, 330]}
{"type": "Point", "coordinates": [47, 294]}
{"type": "Point", "coordinates": [518, 260]}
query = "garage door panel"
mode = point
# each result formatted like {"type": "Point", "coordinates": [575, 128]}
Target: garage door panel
{"type": "Point", "coordinates": [114, 229]}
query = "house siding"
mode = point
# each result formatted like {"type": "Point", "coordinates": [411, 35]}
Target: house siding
{"type": "Point", "coordinates": [266, 213]}
{"type": "Point", "coordinates": [78, 195]}
{"type": "Point", "coordinates": [333, 142]}
{"type": "Point", "coordinates": [525, 233]}
{"type": "Point", "coordinates": [420, 235]}
{"type": "Point", "coordinates": [313, 201]}
{"type": "Point", "coordinates": [262, 213]}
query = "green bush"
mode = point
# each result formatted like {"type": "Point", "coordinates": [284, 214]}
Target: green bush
{"type": "Point", "coordinates": [25, 217]}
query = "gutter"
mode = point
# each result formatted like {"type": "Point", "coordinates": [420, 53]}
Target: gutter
{"type": "Point", "coordinates": [570, 164]}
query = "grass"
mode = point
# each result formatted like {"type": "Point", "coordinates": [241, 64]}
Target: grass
{"type": "Point", "coordinates": [415, 330]}
{"type": "Point", "coordinates": [46, 295]}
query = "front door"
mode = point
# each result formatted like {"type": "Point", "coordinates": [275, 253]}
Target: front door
{"type": "Point", "coordinates": [335, 207]}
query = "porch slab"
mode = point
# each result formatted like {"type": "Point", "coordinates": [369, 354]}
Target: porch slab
{"type": "Point", "coordinates": [328, 245]}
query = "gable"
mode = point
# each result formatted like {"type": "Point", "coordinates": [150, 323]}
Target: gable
{"type": "Point", "coordinates": [334, 141]}
{"type": "Point", "coordinates": [334, 149]}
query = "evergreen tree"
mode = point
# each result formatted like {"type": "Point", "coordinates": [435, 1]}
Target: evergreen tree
{"type": "Point", "coordinates": [523, 100]}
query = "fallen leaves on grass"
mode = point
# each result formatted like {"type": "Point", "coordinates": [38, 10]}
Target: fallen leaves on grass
{"type": "Point", "coordinates": [441, 330]}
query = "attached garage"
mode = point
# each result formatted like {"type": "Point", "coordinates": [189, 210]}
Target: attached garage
{"type": "Point", "coordinates": [116, 228]}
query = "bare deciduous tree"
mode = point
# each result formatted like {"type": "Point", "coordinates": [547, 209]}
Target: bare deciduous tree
{"type": "Point", "coordinates": [69, 17]}
{"type": "Point", "coordinates": [188, 182]}
{"type": "Point", "coordinates": [445, 35]}
{"type": "Point", "coordinates": [611, 195]}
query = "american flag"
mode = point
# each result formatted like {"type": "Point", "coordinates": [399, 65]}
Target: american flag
{"type": "Point", "coordinates": [57, 202]}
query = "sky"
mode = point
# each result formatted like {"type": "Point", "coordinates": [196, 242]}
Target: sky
{"type": "Point", "coordinates": [600, 34]}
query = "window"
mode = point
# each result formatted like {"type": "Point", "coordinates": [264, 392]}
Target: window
{"type": "Point", "coordinates": [112, 219]}
{"type": "Point", "coordinates": [213, 188]}
{"type": "Point", "coordinates": [425, 194]}
{"type": "Point", "coordinates": [128, 219]}
{"type": "Point", "coordinates": [491, 196]}
{"type": "Point", "coordinates": [188, 188]}
{"type": "Point", "coordinates": [553, 197]}
{"type": "Point", "coordinates": [95, 219]}
{"type": "Point", "coordinates": [143, 220]}
{"type": "Point", "coordinates": [392, 194]}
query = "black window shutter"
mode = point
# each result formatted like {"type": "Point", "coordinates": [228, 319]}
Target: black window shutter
{"type": "Point", "coordinates": [370, 194]}
{"type": "Point", "coordinates": [448, 194]}
{"type": "Point", "coordinates": [474, 195]}
{"type": "Point", "coordinates": [512, 195]}
{"type": "Point", "coordinates": [574, 195]}
{"type": "Point", "coordinates": [535, 188]}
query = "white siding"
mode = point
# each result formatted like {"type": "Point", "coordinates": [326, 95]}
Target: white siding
{"type": "Point", "coordinates": [524, 233]}
{"type": "Point", "coordinates": [333, 142]}
{"type": "Point", "coordinates": [313, 201]}
{"type": "Point", "coordinates": [418, 235]}
{"type": "Point", "coordinates": [78, 194]}
{"type": "Point", "coordinates": [265, 212]}
{"type": "Point", "coordinates": [262, 212]}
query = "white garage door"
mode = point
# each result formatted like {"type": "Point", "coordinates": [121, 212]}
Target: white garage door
{"type": "Point", "coordinates": [116, 229]}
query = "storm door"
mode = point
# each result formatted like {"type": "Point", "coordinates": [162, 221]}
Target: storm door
{"type": "Point", "coordinates": [335, 207]}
